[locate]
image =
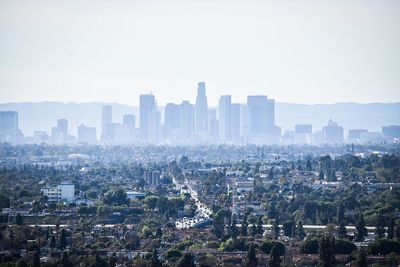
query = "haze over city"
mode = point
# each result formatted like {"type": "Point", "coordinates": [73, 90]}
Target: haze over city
{"type": "Point", "coordinates": [308, 52]}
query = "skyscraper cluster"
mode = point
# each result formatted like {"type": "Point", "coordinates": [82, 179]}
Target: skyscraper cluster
{"type": "Point", "coordinates": [197, 123]}
{"type": "Point", "coordinates": [185, 123]}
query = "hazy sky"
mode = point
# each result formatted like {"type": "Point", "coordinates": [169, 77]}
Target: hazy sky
{"type": "Point", "coordinates": [294, 51]}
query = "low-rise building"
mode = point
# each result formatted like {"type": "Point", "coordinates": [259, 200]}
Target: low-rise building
{"type": "Point", "coordinates": [64, 191]}
{"type": "Point", "coordinates": [135, 195]}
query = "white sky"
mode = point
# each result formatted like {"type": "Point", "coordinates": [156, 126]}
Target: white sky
{"type": "Point", "coordinates": [294, 51]}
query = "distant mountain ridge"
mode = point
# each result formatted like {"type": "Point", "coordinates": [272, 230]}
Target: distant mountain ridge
{"type": "Point", "coordinates": [43, 115]}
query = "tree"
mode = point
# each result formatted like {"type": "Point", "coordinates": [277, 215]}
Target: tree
{"type": "Point", "coordinates": [380, 227]}
{"type": "Point", "coordinates": [267, 246]}
{"type": "Point", "coordinates": [294, 230]}
{"type": "Point", "coordinates": [233, 231]}
{"type": "Point", "coordinates": [260, 229]}
{"type": "Point", "coordinates": [173, 254]}
{"type": "Point", "coordinates": [391, 228]}
{"type": "Point", "coordinates": [154, 261]}
{"type": "Point", "coordinates": [36, 260]}
{"type": "Point", "coordinates": [251, 256]}
{"type": "Point", "coordinates": [272, 211]}
{"type": "Point", "coordinates": [21, 263]}
{"type": "Point", "coordinates": [397, 231]}
{"type": "Point", "coordinates": [158, 232]}
{"type": "Point", "coordinates": [384, 247]}
{"type": "Point", "coordinates": [120, 198]}
{"type": "Point", "coordinates": [340, 213]}
{"type": "Point", "coordinates": [287, 227]}
{"type": "Point", "coordinates": [53, 242]}
{"type": "Point", "coordinates": [244, 226]}
{"type": "Point", "coordinates": [361, 230]}
{"type": "Point", "coordinates": [300, 231]}
{"type": "Point", "coordinates": [276, 229]}
{"type": "Point", "coordinates": [186, 261]}
{"type": "Point", "coordinates": [63, 239]}
{"type": "Point", "coordinates": [151, 202]}
{"type": "Point", "coordinates": [310, 246]}
{"type": "Point", "coordinates": [308, 165]}
{"type": "Point", "coordinates": [326, 251]}
{"type": "Point", "coordinates": [218, 224]}
{"type": "Point", "coordinates": [361, 260]}
{"type": "Point", "coordinates": [344, 246]}
{"type": "Point", "coordinates": [207, 260]}
{"type": "Point", "coordinates": [112, 262]}
{"type": "Point", "coordinates": [19, 220]}
{"type": "Point", "coordinates": [274, 258]}
{"type": "Point", "coordinates": [342, 232]}
{"type": "Point", "coordinates": [47, 233]}
{"type": "Point", "coordinates": [253, 230]}
{"type": "Point", "coordinates": [66, 261]}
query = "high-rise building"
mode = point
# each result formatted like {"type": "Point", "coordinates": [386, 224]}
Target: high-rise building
{"type": "Point", "coordinates": [234, 122]}
{"type": "Point", "coordinates": [40, 137]}
{"type": "Point", "coordinates": [59, 133]}
{"type": "Point", "coordinates": [201, 116]}
{"type": "Point", "coordinates": [106, 118]}
{"type": "Point", "coordinates": [212, 125]}
{"type": "Point", "coordinates": [392, 131]}
{"type": "Point", "coordinates": [62, 125]}
{"type": "Point", "coordinates": [147, 108]}
{"type": "Point", "coordinates": [261, 115]}
{"type": "Point", "coordinates": [152, 178]}
{"type": "Point", "coordinates": [121, 132]}
{"type": "Point", "coordinates": [303, 129]}
{"type": "Point", "coordinates": [86, 134]}
{"type": "Point", "coordinates": [332, 133]}
{"type": "Point", "coordinates": [155, 127]}
{"type": "Point", "coordinates": [9, 131]}
{"type": "Point", "coordinates": [355, 134]}
{"type": "Point", "coordinates": [171, 120]}
{"type": "Point", "coordinates": [302, 134]}
{"type": "Point", "coordinates": [129, 121]}
{"type": "Point", "coordinates": [224, 110]}
{"type": "Point", "coordinates": [244, 122]}
{"type": "Point", "coordinates": [187, 121]}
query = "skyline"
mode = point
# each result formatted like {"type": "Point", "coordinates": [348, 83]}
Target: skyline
{"type": "Point", "coordinates": [305, 52]}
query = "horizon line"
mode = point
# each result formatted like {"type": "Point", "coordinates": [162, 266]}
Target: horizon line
{"type": "Point", "coordinates": [118, 103]}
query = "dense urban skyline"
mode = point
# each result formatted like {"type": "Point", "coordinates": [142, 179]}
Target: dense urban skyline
{"type": "Point", "coordinates": [187, 123]}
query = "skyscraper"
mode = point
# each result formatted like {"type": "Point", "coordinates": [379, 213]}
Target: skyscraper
{"type": "Point", "coordinates": [332, 133]}
{"type": "Point", "coordinates": [172, 120]}
{"type": "Point", "coordinates": [9, 131]}
{"type": "Point", "coordinates": [261, 115]}
{"type": "Point", "coordinates": [224, 110]}
{"type": "Point", "coordinates": [62, 125]}
{"type": "Point", "coordinates": [155, 127]}
{"type": "Point", "coordinates": [212, 125]}
{"type": "Point", "coordinates": [86, 134]}
{"type": "Point", "coordinates": [392, 131]}
{"type": "Point", "coordinates": [59, 133]}
{"type": "Point", "coordinates": [130, 122]}
{"type": "Point", "coordinates": [234, 122]}
{"type": "Point", "coordinates": [201, 110]}
{"type": "Point", "coordinates": [186, 125]}
{"type": "Point", "coordinates": [355, 134]}
{"type": "Point", "coordinates": [106, 118]}
{"type": "Point", "coordinates": [147, 108]}
{"type": "Point", "coordinates": [302, 134]}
